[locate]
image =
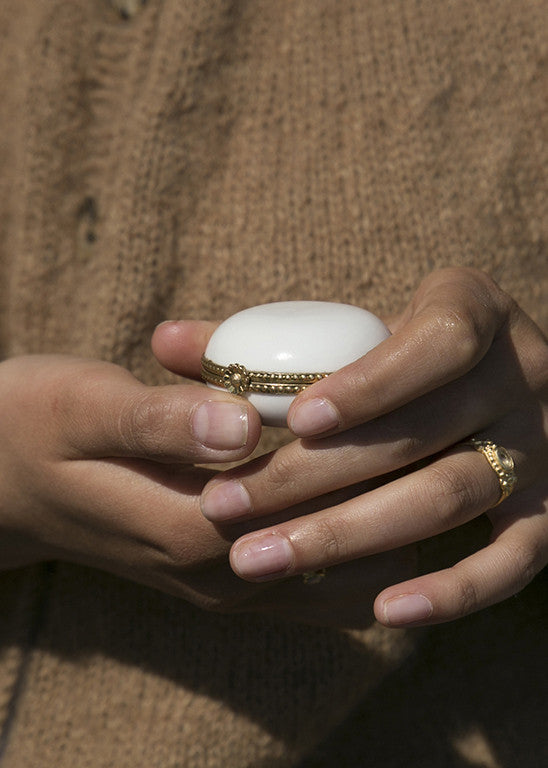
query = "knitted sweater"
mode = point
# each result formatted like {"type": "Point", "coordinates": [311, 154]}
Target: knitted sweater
{"type": "Point", "coordinates": [188, 158]}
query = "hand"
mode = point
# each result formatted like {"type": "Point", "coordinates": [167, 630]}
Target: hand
{"type": "Point", "coordinates": [97, 468]}
{"type": "Point", "coordinates": [463, 360]}
{"type": "Point", "coordinates": [344, 599]}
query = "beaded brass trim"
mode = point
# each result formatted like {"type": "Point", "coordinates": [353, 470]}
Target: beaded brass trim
{"type": "Point", "coordinates": [237, 379]}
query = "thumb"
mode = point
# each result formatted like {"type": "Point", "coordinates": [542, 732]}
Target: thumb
{"type": "Point", "coordinates": [102, 411]}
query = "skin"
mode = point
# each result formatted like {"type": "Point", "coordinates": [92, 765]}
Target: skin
{"type": "Point", "coordinates": [463, 360]}
{"type": "Point", "coordinates": [98, 469]}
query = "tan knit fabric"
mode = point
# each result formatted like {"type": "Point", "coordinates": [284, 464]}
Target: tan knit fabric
{"type": "Point", "coordinates": [188, 158]}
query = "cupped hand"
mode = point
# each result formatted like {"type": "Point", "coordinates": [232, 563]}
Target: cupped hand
{"type": "Point", "coordinates": [463, 360]}
{"type": "Point", "coordinates": [345, 599]}
{"type": "Point", "coordinates": [97, 468]}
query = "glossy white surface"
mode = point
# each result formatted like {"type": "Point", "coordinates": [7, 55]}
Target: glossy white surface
{"type": "Point", "coordinates": [294, 337]}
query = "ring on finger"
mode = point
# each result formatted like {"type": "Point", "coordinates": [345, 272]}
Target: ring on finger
{"type": "Point", "coordinates": [501, 463]}
{"type": "Point", "coordinates": [314, 577]}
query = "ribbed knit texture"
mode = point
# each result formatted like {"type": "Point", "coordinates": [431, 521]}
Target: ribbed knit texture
{"type": "Point", "coordinates": [174, 158]}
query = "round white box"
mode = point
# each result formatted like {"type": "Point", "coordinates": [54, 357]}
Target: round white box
{"type": "Point", "coordinates": [293, 337]}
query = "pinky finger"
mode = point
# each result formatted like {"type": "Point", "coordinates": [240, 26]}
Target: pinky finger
{"type": "Point", "coordinates": [495, 573]}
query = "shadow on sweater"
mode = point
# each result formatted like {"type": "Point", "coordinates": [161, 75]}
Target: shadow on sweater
{"type": "Point", "coordinates": [475, 696]}
{"type": "Point", "coordinates": [89, 628]}
{"type": "Point", "coordinates": [472, 695]}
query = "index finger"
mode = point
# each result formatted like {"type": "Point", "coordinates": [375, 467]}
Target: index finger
{"type": "Point", "coordinates": [178, 345]}
{"type": "Point", "coordinates": [448, 328]}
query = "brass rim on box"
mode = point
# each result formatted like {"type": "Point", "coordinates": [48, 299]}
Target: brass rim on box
{"type": "Point", "coordinates": [501, 463]}
{"type": "Point", "coordinates": [237, 379]}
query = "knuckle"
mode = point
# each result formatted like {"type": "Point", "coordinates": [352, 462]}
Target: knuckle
{"type": "Point", "coordinates": [407, 449]}
{"type": "Point", "coordinates": [332, 538]}
{"type": "Point", "coordinates": [468, 307]}
{"type": "Point", "coordinates": [525, 559]}
{"type": "Point", "coordinates": [373, 391]}
{"type": "Point", "coordinates": [145, 421]}
{"type": "Point", "coordinates": [452, 493]}
{"type": "Point", "coordinates": [282, 472]}
{"type": "Point", "coordinates": [466, 279]}
{"type": "Point", "coordinates": [463, 333]}
{"type": "Point", "coordinates": [466, 593]}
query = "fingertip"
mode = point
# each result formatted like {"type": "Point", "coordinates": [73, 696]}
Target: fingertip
{"type": "Point", "coordinates": [165, 338]}
{"type": "Point", "coordinates": [225, 501]}
{"type": "Point", "coordinates": [311, 417]}
{"type": "Point", "coordinates": [178, 345]}
{"type": "Point", "coordinates": [164, 329]}
{"type": "Point", "coordinates": [226, 423]}
{"type": "Point", "coordinates": [254, 426]}
{"type": "Point", "coordinates": [403, 609]}
{"type": "Point", "coordinates": [263, 556]}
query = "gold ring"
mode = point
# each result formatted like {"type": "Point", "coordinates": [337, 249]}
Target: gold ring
{"type": "Point", "coordinates": [314, 577]}
{"type": "Point", "coordinates": [237, 379]}
{"type": "Point", "coordinates": [501, 463]}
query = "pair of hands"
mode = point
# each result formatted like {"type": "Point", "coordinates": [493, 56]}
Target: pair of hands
{"type": "Point", "coordinates": [97, 468]}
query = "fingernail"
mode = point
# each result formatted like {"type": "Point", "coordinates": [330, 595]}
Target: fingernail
{"type": "Point", "coordinates": [313, 417]}
{"type": "Point", "coordinates": [406, 609]}
{"type": "Point", "coordinates": [224, 501]}
{"type": "Point", "coordinates": [262, 557]}
{"type": "Point", "coordinates": [220, 425]}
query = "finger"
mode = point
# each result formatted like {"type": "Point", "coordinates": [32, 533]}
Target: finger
{"type": "Point", "coordinates": [452, 490]}
{"type": "Point", "coordinates": [452, 323]}
{"type": "Point", "coordinates": [305, 469]}
{"type": "Point", "coordinates": [344, 597]}
{"type": "Point", "coordinates": [106, 412]}
{"type": "Point", "coordinates": [495, 573]}
{"type": "Point", "coordinates": [140, 521]}
{"type": "Point", "coordinates": [179, 345]}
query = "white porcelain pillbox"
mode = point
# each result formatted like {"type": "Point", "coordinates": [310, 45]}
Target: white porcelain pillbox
{"type": "Point", "coordinates": [271, 352]}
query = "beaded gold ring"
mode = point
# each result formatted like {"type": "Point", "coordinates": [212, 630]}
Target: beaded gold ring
{"type": "Point", "coordinates": [501, 463]}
